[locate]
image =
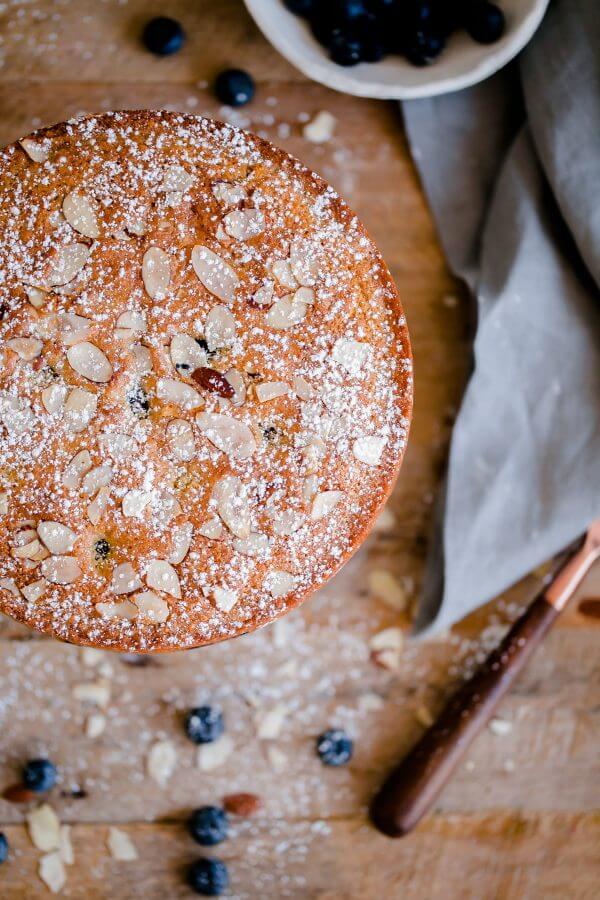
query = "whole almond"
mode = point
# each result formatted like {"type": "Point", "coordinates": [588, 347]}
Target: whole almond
{"type": "Point", "coordinates": [242, 804]}
{"type": "Point", "coordinates": [18, 793]}
{"type": "Point", "coordinates": [211, 380]}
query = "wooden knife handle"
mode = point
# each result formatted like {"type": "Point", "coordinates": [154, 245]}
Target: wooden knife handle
{"type": "Point", "coordinates": [413, 786]}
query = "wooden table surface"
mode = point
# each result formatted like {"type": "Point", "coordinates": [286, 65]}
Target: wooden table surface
{"type": "Point", "coordinates": [520, 819]}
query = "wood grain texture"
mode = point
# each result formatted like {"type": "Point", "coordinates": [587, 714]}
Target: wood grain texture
{"type": "Point", "coordinates": [503, 855]}
{"type": "Point", "coordinates": [518, 820]}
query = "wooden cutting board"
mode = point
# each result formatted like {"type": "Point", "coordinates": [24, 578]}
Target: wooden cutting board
{"type": "Point", "coordinates": [518, 820]}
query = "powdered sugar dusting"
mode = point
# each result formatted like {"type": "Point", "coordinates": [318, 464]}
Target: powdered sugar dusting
{"type": "Point", "coordinates": [135, 266]}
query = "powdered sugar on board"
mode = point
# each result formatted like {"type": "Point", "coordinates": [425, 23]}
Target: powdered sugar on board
{"type": "Point", "coordinates": [344, 341]}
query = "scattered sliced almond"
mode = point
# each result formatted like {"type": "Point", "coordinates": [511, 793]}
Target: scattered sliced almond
{"type": "Point", "coordinates": [74, 329]}
{"type": "Point", "coordinates": [38, 151]}
{"type": "Point", "coordinates": [176, 178]}
{"type": "Point", "coordinates": [34, 591]}
{"type": "Point", "coordinates": [4, 505]}
{"type": "Point", "coordinates": [95, 692]}
{"type": "Point", "coordinates": [305, 262]}
{"type": "Point", "coordinates": [263, 297]}
{"type": "Point", "coordinates": [156, 273]}
{"type": "Point", "coordinates": [368, 449]}
{"type": "Point", "coordinates": [58, 538]}
{"type": "Point", "coordinates": [44, 828]}
{"type": "Point", "coordinates": [236, 380]}
{"type": "Point", "coordinates": [285, 521]}
{"type": "Point", "coordinates": [302, 388]}
{"type": "Point", "coordinates": [386, 648]}
{"type": "Point", "coordinates": [370, 702]}
{"type": "Point", "coordinates": [180, 436]}
{"type": "Point", "coordinates": [212, 529]}
{"type": "Point", "coordinates": [67, 263]}
{"type": "Point", "coordinates": [53, 398]}
{"type": "Point", "coordinates": [90, 362]}
{"type": "Point", "coordinates": [233, 506]}
{"type": "Point", "coordinates": [424, 716]}
{"type": "Point", "coordinates": [181, 537]}
{"type": "Point", "coordinates": [282, 272]}
{"type": "Point", "coordinates": [350, 354]}
{"type": "Point", "coordinates": [215, 274]}
{"type": "Point", "coordinates": [321, 128]}
{"type": "Point", "coordinates": [130, 325]}
{"type": "Point", "coordinates": [120, 845]}
{"type": "Point", "coordinates": [170, 390]}
{"type": "Point", "coordinates": [32, 550]}
{"type": "Point", "coordinates": [384, 585]}
{"type": "Point", "coordinates": [279, 583]}
{"type": "Point", "coordinates": [186, 353]}
{"type": "Point", "coordinates": [98, 506]}
{"type": "Point", "coordinates": [36, 296]}
{"type": "Point", "coordinates": [269, 722]}
{"type": "Point", "coordinates": [285, 313]}
{"type": "Point", "coordinates": [124, 579]}
{"type": "Point", "coordinates": [96, 478]}
{"type": "Point", "coordinates": [227, 434]}
{"type": "Point", "coordinates": [500, 727]}
{"type": "Point", "coordinates": [26, 348]}
{"type": "Point", "coordinates": [61, 569]}
{"type": "Point", "coordinates": [66, 846]}
{"type": "Point", "coordinates": [80, 408]}
{"type": "Point", "coordinates": [229, 194]}
{"type": "Point", "coordinates": [9, 584]}
{"type": "Point", "coordinates": [244, 224]}
{"type": "Point", "coordinates": [95, 725]}
{"type": "Point", "coordinates": [153, 609]}
{"type": "Point", "coordinates": [324, 503]}
{"type": "Point", "coordinates": [271, 390]}
{"type": "Point", "coordinates": [135, 502]}
{"type": "Point", "coordinates": [224, 599]}
{"type": "Point", "coordinates": [52, 871]}
{"type": "Point", "coordinates": [162, 576]}
{"type": "Point", "coordinates": [142, 360]}
{"type": "Point", "coordinates": [254, 545]}
{"type": "Point", "coordinates": [16, 414]}
{"type": "Point", "coordinates": [276, 758]}
{"type": "Point", "coordinates": [123, 610]}
{"type": "Point", "coordinates": [219, 328]}
{"type": "Point", "coordinates": [211, 756]}
{"type": "Point", "coordinates": [162, 758]}
{"type": "Point", "coordinates": [79, 213]}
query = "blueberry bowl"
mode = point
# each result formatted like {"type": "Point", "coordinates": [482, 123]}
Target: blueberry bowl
{"type": "Point", "coordinates": [405, 61]}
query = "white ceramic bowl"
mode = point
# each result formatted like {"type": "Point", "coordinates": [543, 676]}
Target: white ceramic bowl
{"type": "Point", "coordinates": [462, 63]}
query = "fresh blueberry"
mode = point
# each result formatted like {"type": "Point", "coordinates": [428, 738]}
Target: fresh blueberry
{"type": "Point", "coordinates": [234, 87]}
{"type": "Point", "coordinates": [348, 10]}
{"type": "Point", "coordinates": [3, 848]}
{"type": "Point", "coordinates": [372, 39]}
{"type": "Point", "coordinates": [345, 50]}
{"type": "Point", "coordinates": [208, 825]}
{"type": "Point", "coordinates": [325, 25]}
{"type": "Point", "coordinates": [208, 876]}
{"type": "Point", "coordinates": [101, 549]}
{"type": "Point", "coordinates": [163, 36]}
{"type": "Point", "coordinates": [204, 724]}
{"type": "Point", "coordinates": [334, 747]}
{"type": "Point", "coordinates": [423, 48]}
{"type": "Point", "coordinates": [39, 775]}
{"type": "Point", "coordinates": [484, 21]}
{"type": "Point", "coordinates": [303, 8]}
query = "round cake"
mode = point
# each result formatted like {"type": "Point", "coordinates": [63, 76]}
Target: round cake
{"type": "Point", "coordinates": [206, 381]}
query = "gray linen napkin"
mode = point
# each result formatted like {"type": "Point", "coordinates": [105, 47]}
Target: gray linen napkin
{"type": "Point", "coordinates": [511, 169]}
